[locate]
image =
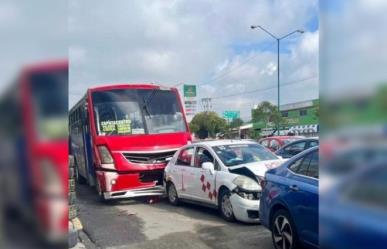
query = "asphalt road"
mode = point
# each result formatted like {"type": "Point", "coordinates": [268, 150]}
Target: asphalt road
{"type": "Point", "coordinates": [138, 224]}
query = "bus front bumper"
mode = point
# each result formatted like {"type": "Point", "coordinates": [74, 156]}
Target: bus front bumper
{"type": "Point", "coordinates": [154, 191]}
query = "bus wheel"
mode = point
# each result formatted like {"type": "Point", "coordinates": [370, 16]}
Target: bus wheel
{"type": "Point", "coordinates": [80, 179]}
{"type": "Point", "coordinates": [99, 191]}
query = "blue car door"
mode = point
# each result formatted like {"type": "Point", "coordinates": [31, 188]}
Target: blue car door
{"type": "Point", "coordinates": [302, 196]}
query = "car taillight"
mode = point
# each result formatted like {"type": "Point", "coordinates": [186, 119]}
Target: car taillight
{"type": "Point", "coordinates": [106, 157]}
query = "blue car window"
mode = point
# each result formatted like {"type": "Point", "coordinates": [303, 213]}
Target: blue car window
{"type": "Point", "coordinates": [294, 166]}
{"type": "Point", "coordinates": [295, 148]}
{"type": "Point", "coordinates": [313, 144]}
{"type": "Point", "coordinates": [301, 165]}
{"type": "Point", "coordinates": [304, 166]}
{"type": "Point", "coordinates": [313, 165]}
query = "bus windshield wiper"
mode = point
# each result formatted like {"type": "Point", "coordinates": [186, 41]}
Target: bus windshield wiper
{"type": "Point", "coordinates": [148, 100]}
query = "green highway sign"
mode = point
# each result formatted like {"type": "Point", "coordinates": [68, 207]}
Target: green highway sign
{"type": "Point", "coordinates": [231, 114]}
{"type": "Point", "coordinates": [190, 91]}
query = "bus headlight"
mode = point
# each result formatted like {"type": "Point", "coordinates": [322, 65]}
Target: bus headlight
{"type": "Point", "coordinates": [104, 154]}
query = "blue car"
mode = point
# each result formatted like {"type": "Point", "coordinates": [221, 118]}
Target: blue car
{"type": "Point", "coordinates": [289, 202]}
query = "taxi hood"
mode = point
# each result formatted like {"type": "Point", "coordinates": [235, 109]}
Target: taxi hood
{"type": "Point", "coordinates": [256, 169]}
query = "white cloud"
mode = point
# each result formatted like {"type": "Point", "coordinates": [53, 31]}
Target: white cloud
{"type": "Point", "coordinates": [193, 42]}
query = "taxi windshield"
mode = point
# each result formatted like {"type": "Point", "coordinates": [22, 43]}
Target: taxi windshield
{"type": "Point", "coordinates": [236, 154]}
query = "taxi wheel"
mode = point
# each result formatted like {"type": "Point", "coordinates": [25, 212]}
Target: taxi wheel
{"type": "Point", "coordinates": [172, 194]}
{"type": "Point", "coordinates": [224, 205]}
{"type": "Point", "coordinates": [284, 234]}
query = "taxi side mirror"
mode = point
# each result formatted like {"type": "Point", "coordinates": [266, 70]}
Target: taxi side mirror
{"type": "Point", "coordinates": [208, 166]}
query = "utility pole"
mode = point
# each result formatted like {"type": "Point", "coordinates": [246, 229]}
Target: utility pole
{"type": "Point", "coordinates": [278, 39]}
{"type": "Point", "coordinates": [206, 104]}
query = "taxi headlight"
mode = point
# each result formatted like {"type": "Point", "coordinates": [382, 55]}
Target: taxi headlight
{"type": "Point", "coordinates": [246, 183]}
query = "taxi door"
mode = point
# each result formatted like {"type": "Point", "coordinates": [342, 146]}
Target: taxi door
{"type": "Point", "coordinates": [203, 186]}
{"type": "Point", "coordinates": [180, 171]}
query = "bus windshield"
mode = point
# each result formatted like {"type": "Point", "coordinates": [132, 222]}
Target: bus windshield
{"type": "Point", "coordinates": [137, 111]}
{"type": "Point", "coordinates": [50, 103]}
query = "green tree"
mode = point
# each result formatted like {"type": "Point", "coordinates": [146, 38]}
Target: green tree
{"type": "Point", "coordinates": [207, 124]}
{"type": "Point", "coordinates": [268, 113]}
{"type": "Point", "coordinates": [236, 122]}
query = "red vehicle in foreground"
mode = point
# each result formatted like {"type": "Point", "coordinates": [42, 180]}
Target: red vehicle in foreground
{"type": "Point", "coordinates": [275, 142]}
{"type": "Point", "coordinates": [34, 158]}
{"type": "Point", "coordinates": [123, 135]}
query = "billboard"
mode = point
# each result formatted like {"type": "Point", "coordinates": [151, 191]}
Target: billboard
{"type": "Point", "coordinates": [189, 91]}
{"type": "Point", "coordinates": [190, 102]}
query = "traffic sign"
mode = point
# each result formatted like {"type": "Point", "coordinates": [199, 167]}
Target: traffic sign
{"type": "Point", "coordinates": [190, 91]}
{"type": "Point", "coordinates": [231, 114]}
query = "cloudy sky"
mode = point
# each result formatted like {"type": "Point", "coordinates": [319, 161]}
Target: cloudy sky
{"type": "Point", "coordinates": [207, 43]}
{"type": "Point", "coordinates": [30, 32]}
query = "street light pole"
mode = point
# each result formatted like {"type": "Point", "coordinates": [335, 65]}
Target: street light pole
{"type": "Point", "coordinates": [278, 83]}
{"type": "Point", "coordinates": [278, 39]}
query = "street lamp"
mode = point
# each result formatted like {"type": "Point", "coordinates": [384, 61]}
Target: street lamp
{"type": "Point", "coordinates": [278, 59]}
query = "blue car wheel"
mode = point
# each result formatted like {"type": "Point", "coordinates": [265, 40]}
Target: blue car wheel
{"type": "Point", "coordinates": [283, 231]}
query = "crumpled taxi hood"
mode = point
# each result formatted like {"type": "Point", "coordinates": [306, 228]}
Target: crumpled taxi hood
{"type": "Point", "coordinates": [258, 168]}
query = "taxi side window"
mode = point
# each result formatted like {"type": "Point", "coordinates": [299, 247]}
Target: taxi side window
{"type": "Point", "coordinates": [202, 156]}
{"type": "Point", "coordinates": [185, 157]}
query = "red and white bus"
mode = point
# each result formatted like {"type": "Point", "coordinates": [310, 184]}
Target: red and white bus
{"type": "Point", "coordinates": [122, 136]}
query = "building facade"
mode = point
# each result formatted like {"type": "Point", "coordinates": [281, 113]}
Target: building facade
{"type": "Point", "coordinates": [301, 118]}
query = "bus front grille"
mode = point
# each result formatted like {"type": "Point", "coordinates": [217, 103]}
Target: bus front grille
{"type": "Point", "coordinates": [152, 176]}
{"type": "Point", "coordinates": [148, 158]}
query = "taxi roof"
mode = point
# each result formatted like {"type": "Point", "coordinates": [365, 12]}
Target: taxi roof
{"type": "Point", "coordinates": [223, 142]}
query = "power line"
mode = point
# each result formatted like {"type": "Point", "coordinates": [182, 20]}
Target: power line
{"type": "Point", "coordinates": [265, 89]}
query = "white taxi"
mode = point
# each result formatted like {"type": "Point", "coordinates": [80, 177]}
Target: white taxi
{"type": "Point", "coordinates": [225, 174]}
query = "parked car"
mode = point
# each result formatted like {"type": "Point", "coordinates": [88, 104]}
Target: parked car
{"type": "Point", "coordinates": [289, 202]}
{"type": "Point", "coordinates": [275, 142]}
{"type": "Point", "coordinates": [224, 174]}
{"type": "Point", "coordinates": [291, 149]}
